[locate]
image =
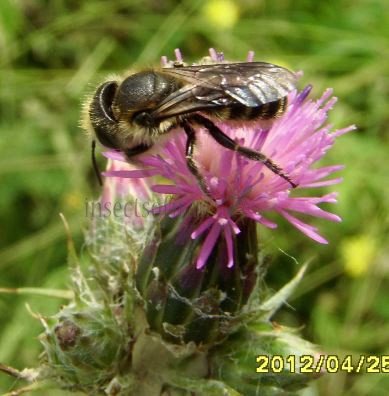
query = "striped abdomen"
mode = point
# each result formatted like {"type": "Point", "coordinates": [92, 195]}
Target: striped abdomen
{"type": "Point", "coordinates": [266, 111]}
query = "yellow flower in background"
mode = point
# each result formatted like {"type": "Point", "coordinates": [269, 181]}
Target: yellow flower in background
{"type": "Point", "coordinates": [221, 13]}
{"type": "Point", "coordinates": [73, 200]}
{"type": "Point", "coordinates": [357, 254]}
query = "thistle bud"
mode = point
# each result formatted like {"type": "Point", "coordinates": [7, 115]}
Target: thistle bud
{"type": "Point", "coordinates": [184, 303]}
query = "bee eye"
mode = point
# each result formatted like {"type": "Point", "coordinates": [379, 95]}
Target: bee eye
{"type": "Point", "coordinates": [144, 118]}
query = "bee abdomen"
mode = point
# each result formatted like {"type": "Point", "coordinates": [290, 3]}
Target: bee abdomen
{"type": "Point", "coordinates": [266, 111]}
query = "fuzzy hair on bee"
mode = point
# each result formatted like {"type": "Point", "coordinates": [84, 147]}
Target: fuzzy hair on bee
{"type": "Point", "coordinates": [134, 113]}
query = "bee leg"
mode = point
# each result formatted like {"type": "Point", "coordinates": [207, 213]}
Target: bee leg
{"type": "Point", "coordinates": [139, 149]}
{"type": "Point", "coordinates": [190, 146]}
{"type": "Point", "coordinates": [227, 142]}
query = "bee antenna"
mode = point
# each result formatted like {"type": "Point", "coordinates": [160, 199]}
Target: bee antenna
{"type": "Point", "coordinates": [94, 162]}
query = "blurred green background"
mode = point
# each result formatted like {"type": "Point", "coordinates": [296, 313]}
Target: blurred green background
{"type": "Point", "coordinates": [52, 53]}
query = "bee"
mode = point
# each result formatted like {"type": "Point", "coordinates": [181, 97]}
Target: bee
{"type": "Point", "coordinates": [134, 114]}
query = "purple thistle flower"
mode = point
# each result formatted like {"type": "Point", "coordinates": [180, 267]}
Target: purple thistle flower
{"type": "Point", "coordinates": [119, 188]}
{"type": "Point", "coordinates": [239, 187]}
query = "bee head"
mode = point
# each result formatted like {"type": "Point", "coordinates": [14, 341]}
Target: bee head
{"type": "Point", "coordinates": [101, 116]}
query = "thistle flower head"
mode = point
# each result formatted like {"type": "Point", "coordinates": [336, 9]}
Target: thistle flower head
{"type": "Point", "coordinates": [239, 187]}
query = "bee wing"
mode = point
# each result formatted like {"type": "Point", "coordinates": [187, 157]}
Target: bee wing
{"type": "Point", "coordinates": [262, 83]}
{"type": "Point", "coordinates": [251, 84]}
{"type": "Point", "coordinates": [191, 98]}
